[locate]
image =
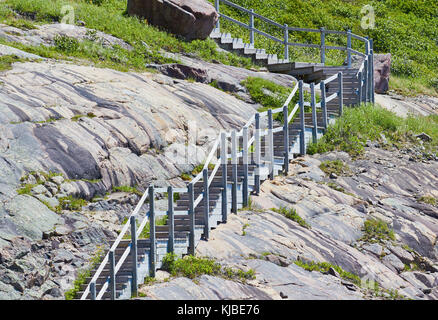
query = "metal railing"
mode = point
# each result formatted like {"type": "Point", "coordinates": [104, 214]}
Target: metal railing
{"type": "Point", "coordinates": [285, 30]}
{"type": "Point", "coordinates": [242, 142]}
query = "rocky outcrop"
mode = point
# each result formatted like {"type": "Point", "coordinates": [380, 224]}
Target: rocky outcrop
{"type": "Point", "coordinates": [194, 19]}
{"type": "Point", "coordinates": [382, 71]}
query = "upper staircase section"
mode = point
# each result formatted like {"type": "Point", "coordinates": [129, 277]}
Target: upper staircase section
{"type": "Point", "coordinates": [281, 35]}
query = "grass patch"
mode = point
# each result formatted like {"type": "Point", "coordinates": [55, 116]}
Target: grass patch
{"type": "Point", "coordinates": [376, 230]}
{"type": "Point", "coordinates": [367, 122]}
{"type": "Point", "coordinates": [337, 167]}
{"type": "Point", "coordinates": [192, 267]}
{"type": "Point", "coordinates": [70, 203]}
{"type": "Point", "coordinates": [26, 189]}
{"type": "Point", "coordinates": [128, 189]}
{"type": "Point", "coordinates": [246, 225]}
{"type": "Point", "coordinates": [7, 61]}
{"type": "Point", "coordinates": [84, 274]}
{"type": "Point", "coordinates": [292, 215]}
{"type": "Point", "coordinates": [429, 200]}
{"type": "Point", "coordinates": [324, 267]}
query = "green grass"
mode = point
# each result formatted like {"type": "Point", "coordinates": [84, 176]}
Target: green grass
{"type": "Point", "coordinates": [70, 203]}
{"type": "Point", "coordinates": [324, 267]}
{"type": "Point", "coordinates": [406, 29]}
{"type": "Point", "coordinates": [110, 17]}
{"type": "Point", "coordinates": [6, 62]}
{"type": "Point", "coordinates": [145, 233]}
{"type": "Point", "coordinates": [376, 230]}
{"type": "Point", "coordinates": [128, 189]}
{"type": "Point", "coordinates": [292, 214]}
{"type": "Point", "coordinates": [367, 122]}
{"type": "Point", "coordinates": [337, 167]}
{"type": "Point", "coordinates": [84, 274]}
{"type": "Point", "coordinates": [429, 200]}
{"type": "Point", "coordinates": [192, 267]}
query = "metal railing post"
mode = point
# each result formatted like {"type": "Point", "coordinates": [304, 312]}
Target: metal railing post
{"type": "Point", "coordinates": [314, 118]}
{"type": "Point", "coordinates": [271, 144]}
{"type": "Point", "coordinates": [245, 188]}
{"type": "Point", "coordinates": [93, 290]}
{"type": "Point", "coordinates": [286, 41]}
{"type": "Point", "coordinates": [360, 88]}
{"type": "Point", "coordinates": [324, 105]}
{"type": "Point", "coordinates": [234, 171]}
{"type": "Point", "coordinates": [191, 219]}
{"type": "Point", "coordinates": [302, 120]}
{"type": "Point", "coordinates": [134, 256]}
{"type": "Point", "coordinates": [112, 267]}
{"type": "Point", "coordinates": [365, 80]}
{"type": "Point", "coordinates": [322, 30]}
{"type": "Point", "coordinates": [257, 144]}
{"type": "Point", "coordinates": [153, 249]}
{"type": "Point", "coordinates": [171, 219]}
{"type": "Point", "coordinates": [370, 77]}
{"type": "Point", "coordinates": [206, 197]}
{"type": "Point", "coordinates": [341, 93]}
{"type": "Point", "coordinates": [286, 139]}
{"type": "Point", "coordinates": [251, 27]}
{"type": "Point", "coordinates": [216, 5]}
{"type": "Point", "coordinates": [372, 71]}
{"type": "Point", "coordinates": [349, 48]}
{"type": "Point", "coordinates": [224, 161]}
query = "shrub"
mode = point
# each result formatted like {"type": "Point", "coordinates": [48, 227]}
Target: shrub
{"type": "Point", "coordinates": [292, 215]}
{"type": "Point", "coordinates": [376, 230]}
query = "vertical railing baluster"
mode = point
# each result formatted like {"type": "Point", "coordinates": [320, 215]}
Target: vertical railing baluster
{"type": "Point", "coordinates": [341, 93]}
{"type": "Point", "coordinates": [372, 71]}
{"type": "Point", "coordinates": [271, 144]}
{"type": "Point", "coordinates": [349, 48]}
{"type": "Point", "coordinates": [224, 162]}
{"type": "Point", "coordinates": [191, 219]}
{"type": "Point", "coordinates": [302, 120]}
{"type": "Point", "coordinates": [314, 118]}
{"type": "Point", "coordinates": [251, 27]}
{"type": "Point", "coordinates": [216, 5]}
{"type": "Point", "coordinates": [234, 171]}
{"type": "Point", "coordinates": [365, 80]}
{"type": "Point", "coordinates": [286, 139]}
{"type": "Point", "coordinates": [112, 266]}
{"type": "Point", "coordinates": [93, 290]}
{"type": "Point", "coordinates": [257, 144]}
{"type": "Point", "coordinates": [152, 235]}
{"type": "Point", "coordinates": [245, 189]}
{"type": "Point", "coordinates": [370, 77]}
{"type": "Point", "coordinates": [286, 41]}
{"type": "Point", "coordinates": [360, 88]}
{"type": "Point", "coordinates": [324, 105]}
{"type": "Point", "coordinates": [206, 197]}
{"type": "Point", "coordinates": [171, 219]}
{"type": "Point", "coordinates": [134, 256]}
{"type": "Point", "coordinates": [322, 30]}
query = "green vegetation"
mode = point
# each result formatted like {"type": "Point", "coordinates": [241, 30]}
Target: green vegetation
{"type": "Point", "coordinates": [128, 189]}
{"type": "Point", "coordinates": [324, 267]}
{"type": "Point", "coordinates": [78, 116]}
{"type": "Point", "coordinates": [406, 29]}
{"type": "Point", "coordinates": [26, 189]}
{"type": "Point", "coordinates": [429, 200]}
{"type": "Point", "coordinates": [145, 233]}
{"type": "Point", "coordinates": [84, 274]}
{"type": "Point", "coordinates": [337, 167]}
{"type": "Point", "coordinates": [192, 267]}
{"type": "Point", "coordinates": [70, 203]}
{"type": "Point", "coordinates": [7, 61]}
{"type": "Point", "coordinates": [292, 215]}
{"type": "Point", "coordinates": [198, 169]}
{"type": "Point", "coordinates": [110, 16]}
{"type": "Point", "coordinates": [368, 122]}
{"type": "Point", "coordinates": [246, 225]}
{"type": "Point", "coordinates": [376, 230]}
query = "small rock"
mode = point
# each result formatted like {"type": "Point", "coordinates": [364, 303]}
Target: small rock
{"type": "Point", "coordinates": [374, 248]}
{"type": "Point", "coordinates": [57, 179]}
{"type": "Point", "coordinates": [39, 189]}
{"type": "Point", "coordinates": [61, 230]}
{"type": "Point", "coordinates": [392, 261]}
{"type": "Point", "coordinates": [424, 137]}
{"type": "Point", "coordinates": [283, 296]}
{"type": "Point", "coordinates": [333, 272]}
{"type": "Point", "coordinates": [81, 23]}
{"type": "Point", "coordinates": [54, 292]}
{"type": "Point", "coordinates": [333, 175]}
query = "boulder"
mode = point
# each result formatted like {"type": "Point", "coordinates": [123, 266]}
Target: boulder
{"type": "Point", "coordinates": [192, 19]}
{"type": "Point", "coordinates": [382, 69]}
